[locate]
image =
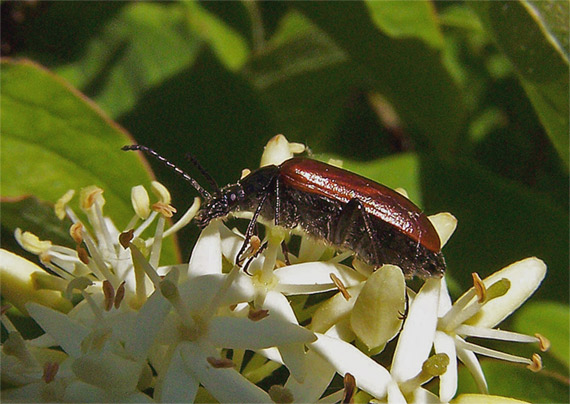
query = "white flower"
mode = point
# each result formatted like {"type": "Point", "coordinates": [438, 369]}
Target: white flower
{"type": "Point", "coordinates": [477, 312]}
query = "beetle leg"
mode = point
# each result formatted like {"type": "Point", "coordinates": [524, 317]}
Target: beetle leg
{"type": "Point", "coordinates": [349, 222]}
{"type": "Point", "coordinates": [250, 230]}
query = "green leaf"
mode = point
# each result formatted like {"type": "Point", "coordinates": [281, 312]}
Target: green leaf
{"type": "Point", "coordinates": [230, 47]}
{"type": "Point", "coordinates": [31, 214]}
{"type": "Point", "coordinates": [54, 139]}
{"type": "Point", "coordinates": [145, 44]}
{"type": "Point", "coordinates": [534, 36]}
{"type": "Point", "coordinates": [516, 381]}
{"type": "Point", "coordinates": [551, 320]}
{"type": "Point", "coordinates": [407, 72]}
{"type": "Point", "coordinates": [499, 222]}
{"type": "Point", "coordinates": [402, 19]}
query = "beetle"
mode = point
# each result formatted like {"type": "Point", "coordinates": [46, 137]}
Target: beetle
{"type": "Point", "coordinates": [342, 208]}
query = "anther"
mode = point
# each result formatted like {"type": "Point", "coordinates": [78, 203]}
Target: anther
{"type": "Point", "coordinates": [340, 286]}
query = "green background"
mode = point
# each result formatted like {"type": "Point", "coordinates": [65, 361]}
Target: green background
{"type": "Point", "coordinates": [463, 104]}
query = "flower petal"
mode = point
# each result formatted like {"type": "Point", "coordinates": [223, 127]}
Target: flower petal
{"type": "Point", "coordinates": [108, 371]}
{"type": "Point", "coordinates": [525, 277]}
{"type": "Point", "coordinates": [207, 254]}
{"type": "Point", "coordinates": [242, 333]}
{"type": "Point", "coordinates": [176, 385]}
{"type": "Point", "coordinates": [313, 387]}
{"type": "Point", "coordinates": [416, 338]}
{"type": "Point", "coordinates": [64, 330]}
{"type": "Point", "coordinates": [314, 277]}
{"type": "Point", "coordinates": [225, 384]}
{"type": "Point", "coordinates": [346, 358]}
{"type": "Point", "coordinates": [470, 361]}
{"type": "Point", "coordinates": [147, 325]}
{"type": "Point", "coordinates": [376, 316]}
{"type": "Point", "coordinates": [445, 224]}
{"type": "Point", "coordinates": [18, 286]}
{"type": "Point", "coordinates": [443, 343]}
{"type": "Point", "coordinates": [293, 355]}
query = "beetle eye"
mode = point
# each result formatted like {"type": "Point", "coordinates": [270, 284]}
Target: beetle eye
{"type": "Point", "coordinates": [233, 197]}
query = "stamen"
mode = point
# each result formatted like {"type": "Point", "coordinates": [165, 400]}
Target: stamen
{"type": "Point", "coordinates": [119, 296]}
{"type": "Point", "coordinates": [82, 254]}
{"type": "Point", "coordinates": [61, 204]}
{"type": "Point", "coordinates": [536, 365]}
{"type": "Point", "coordinates": [479, 286]}
{"type": "Point", "coordinates": [109, 293]}
{"type": "Point", "coordinates": [461, 343]}
{"type": "Point", "coordinates": [157, 245]}
{"type": "Point", "coordinates": [185, 219]}
{"type": "Point", "coordinates": [125, 238]}
{"type": "Point", "coordinates": [220, 363]}
{"type": "Point", "coordinates": [164, 209]}
{"type": "Point", "coordinates": [76, 232]}
{"type": "Point", "coordinates": [50, 371]}
{"type": "Point", "coordinates": [543, 342]}
{"type": "Point", "coordinates": [340, 286]}
{"type": "Point", "coordinates": [31, 243]}
{"type": "Point", "coordinates": [257, 314]}
{"type": "Point", "coordinates": [280, 394]}
{"type": "Point", "coordinates": [349, 389]}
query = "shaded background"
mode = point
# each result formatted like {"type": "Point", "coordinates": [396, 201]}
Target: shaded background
{"type": "Point", "coordinates": [463, 104]}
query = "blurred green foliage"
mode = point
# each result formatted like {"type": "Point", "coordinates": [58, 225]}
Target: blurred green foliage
{"type": "Point", "coordinates": [464, 104]}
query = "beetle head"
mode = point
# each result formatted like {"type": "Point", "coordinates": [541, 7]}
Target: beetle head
{"type": "Point", "coordinates": [220, 204]}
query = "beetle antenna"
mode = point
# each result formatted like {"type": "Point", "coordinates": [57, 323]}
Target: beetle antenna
{"type": "Point", "coordinates": [205, 194]}
{"type": "Point", "coordinates": [190, 157]}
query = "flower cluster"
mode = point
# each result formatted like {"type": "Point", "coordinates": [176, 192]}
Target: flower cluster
{"type": "Point", "coordinates": [119, 327]}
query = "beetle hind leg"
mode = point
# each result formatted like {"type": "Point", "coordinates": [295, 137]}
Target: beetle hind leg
{"type": "Point", "coordinates": [354, 230]}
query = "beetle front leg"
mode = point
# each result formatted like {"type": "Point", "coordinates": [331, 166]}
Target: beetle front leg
{"type": "Point", "coordinates": [249, 232]}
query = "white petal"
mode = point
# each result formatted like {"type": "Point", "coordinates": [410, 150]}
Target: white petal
{"type": "Point", "coordinates": [18, 286]}
{"type": "Point", "coordinates": [314, 277]}
{"type": "Point", "coordinates": [242, 333]}
{"type": "Point", "coordinates": [148, 324]}
{"type": "Point", "coordinates": [225, 384]}
{"type": "Point", "coordinates": [177, 385]}
{"type": "Point", "coordinates": [293, 355]}
{"type": "Point", "coordinates": [469, 359]}
{"type": "Point", "coordinates": [445, 224]}
{"type": "Point", "coordinates": [345, 358]}
{"type": "Point", "coordinates": [334, 310]}
{"type": "Point", "coordinates": [321, 374]}
{"type": "Point", "coordinates": [443, 343]}
{"type": "Point", "coordinates": [108, 371]}
{"type": "Point", "coordinates": [525, 277]}
{"type": "Point", "coordinates": [416, 338]}
{"type": "Point", "coordinates": [445, 302]}
{"type": "Point", "coordinates": [65, 331]}
{"type": "Point", "coordinates": [199, 291]}
{"type": "Point", "coordinates": [78, 392]}
{"type": "Point", "coordinates": [207, 254]}
{"type": "Point", "coordinates": [376, 316]}
{"type": "Point", "coordinates": [394, 394]}
{"type": "Point", "coordinates": [231, 243]}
